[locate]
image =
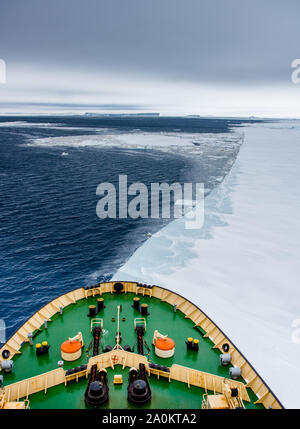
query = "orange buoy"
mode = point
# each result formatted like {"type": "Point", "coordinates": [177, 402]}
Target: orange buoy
{"type": "Point", "coordinates": [164, 347]}
{"type": "Point", "coordinates": [70, 350]}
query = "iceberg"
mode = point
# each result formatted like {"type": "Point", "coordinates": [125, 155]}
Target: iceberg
{"type": "Point", "coordinates": [242, 268]}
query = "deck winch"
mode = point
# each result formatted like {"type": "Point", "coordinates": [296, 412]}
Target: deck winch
{"type": "Point", "coordinates": [97, 390]}
{"type": "Point", "coordinates": [139, 391]}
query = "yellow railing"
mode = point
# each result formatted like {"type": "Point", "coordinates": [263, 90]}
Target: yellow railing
{"type": "Point", "coordinates": [43, 382]}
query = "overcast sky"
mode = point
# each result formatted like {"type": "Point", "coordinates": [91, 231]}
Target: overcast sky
{"type": "Point", "coordinates": [211, 57]}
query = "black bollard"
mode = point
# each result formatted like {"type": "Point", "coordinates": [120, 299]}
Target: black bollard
{"type": "Point", "coordinates": [100, 304]}
{"type": "Point", "coordinates": [144, 309]}
{"type": "Point", "coordinates": [136, 304]}
{"type": "Point", "coordinates": [92, 311]}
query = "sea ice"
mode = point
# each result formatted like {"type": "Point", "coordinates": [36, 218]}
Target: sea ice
{"type": "Point", "coordinates": [242, 268]}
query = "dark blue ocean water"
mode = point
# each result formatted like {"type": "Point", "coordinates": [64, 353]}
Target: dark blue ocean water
{"type": "Point", "coordinates": [51, 240]}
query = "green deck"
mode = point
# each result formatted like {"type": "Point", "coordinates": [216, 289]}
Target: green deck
{"type": "Point", "coordinates": [162, 318]}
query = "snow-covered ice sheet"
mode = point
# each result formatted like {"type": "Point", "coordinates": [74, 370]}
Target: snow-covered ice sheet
{"type": "Point", "coordinates": [243, 267]}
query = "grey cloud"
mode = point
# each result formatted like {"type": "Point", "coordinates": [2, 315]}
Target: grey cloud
{"type": "Point", "coordinates": [194, 40]}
